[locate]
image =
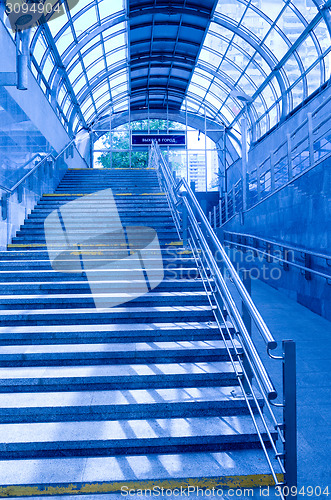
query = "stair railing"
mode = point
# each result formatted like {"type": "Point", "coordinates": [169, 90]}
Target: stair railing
{"type": "Point", "coordinates": [215, 269]}
{"type": "Point", "coordinates": [267, 249]}
{"type": "Point", "coordinates": [50, 157]}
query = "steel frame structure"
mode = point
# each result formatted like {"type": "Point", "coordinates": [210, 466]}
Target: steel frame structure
{"type": "Point", "coordinates": [103, 57]}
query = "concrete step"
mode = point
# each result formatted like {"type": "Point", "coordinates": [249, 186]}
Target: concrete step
{"type": "Point", "coordinates": [93, 259]}
{"type": "Point", "coordinates": [107, 475]}
{"type": "Point", "coordinates": [119, 333]}
{"type": "Point", "coordinates": [92, 220]}
{"type": "Point", "coordinates": [94, 226]}
{"type": "Point", "coordinates": [124, 376]}
{"type": "Point", "coordinates": [42, 275]}
{"type": "Point", "coordinates": [105, 316]}
{"type": "Point", "coordinates": [128, 214]}
{"type": "Point", "coordinates": [72, 287]}
{"type": "Point", "coordinates": [150, 377]}
{"type": "Point", "coordinates": [74, 301]}
{"type": "Point", "coordinates": [38, 232]}
{"type": "Point", "coordinates": [34, 237]}
{"type": "Point", "coordinates": [113, 353]}
{"type": "Point", "coordinates": [42, 254]}
{"type": "Point", "coordinates": [131, 185]}
{"type": "Point", "coordinates": [124, 198]}
{"type": "Point", "coordinates": [122, 203]}
{"type": "Point", "coordinates": [134, 404]}
{"type": "Point", "coordinates": [120, 437]}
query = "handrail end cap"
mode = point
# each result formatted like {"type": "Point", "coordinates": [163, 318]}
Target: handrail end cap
{"type": "Point", "coordinates": [272, 344]}
{"type": "Point", "coordinates": [272, 395]}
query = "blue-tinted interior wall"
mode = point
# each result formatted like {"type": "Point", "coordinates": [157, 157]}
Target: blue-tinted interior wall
{"type": "Point", "coordinates": [300, 215]}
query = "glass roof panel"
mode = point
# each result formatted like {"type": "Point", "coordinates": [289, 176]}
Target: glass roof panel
{"type": "Point", "coordinates": [244, 44]}
{"type": "Point", "coordinates": [96, 68]}
{"type": "Point", "coordinates": [107, 8]}
{"type": "Point", "coordinates": [64, 40]}
{"type": "Point", "coordinates": [81, 22]}
{"type": "Point", "coordinates": [76, 71]}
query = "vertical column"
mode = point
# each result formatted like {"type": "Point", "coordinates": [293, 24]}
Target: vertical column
{"type": "Point", "coordinates": [289, 157]}
{"type": "Point", "coordinates": [111, 141]}
{"type": "Point", "coordinates": [244, 161]}
{"type": "Point", "coordinates": [206, 157]}
{"type": "Point", "coordinates": [224, 162]}
{"type": "Point", "coordinates": [310, 139]}
{"type": "Point", "coordinates": [187, 165]}
{"type": "Point", "coordinates": [246, 279]}
{"type": "Point", "coordinates": [185, 224]}
{"type": "Point", "coordinates": [272, 171]}
{"type": "Point", "coordinates": [258, 182]}
{"type": "Point", "coordinates": [290, 413]}
{"type": "Point", "coordinates": [226, 202]}
{"type": "Point", "coordinates": [130, 139]}
{"type": "Point", "coordinates": [91, 149]}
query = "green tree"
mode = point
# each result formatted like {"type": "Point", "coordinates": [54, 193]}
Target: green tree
{"type": "Point", "coordinates": [120, 140]}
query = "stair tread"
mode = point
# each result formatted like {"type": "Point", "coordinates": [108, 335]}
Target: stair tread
{"type": "Point", "coordinates": [133, 467]}
{"type": "Point", "coordinates": [127, 430]}
{"type": "Point", "coordinates": [88, 382]}
{"type": "Point", "coordinates": [113, 310]}
{"type": "Point", "coordinates": [157, 347]}
{"type": "Point", "coordinates": [149, 295]}
{"type": "Point", "coordinates": [125, 370]}
{"type": "Point", "coordinates": [121, 328]}
{"type": "Point", "coordinates": [118, 397]}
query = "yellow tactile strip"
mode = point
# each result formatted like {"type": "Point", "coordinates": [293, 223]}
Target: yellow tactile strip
{"type": "Point", "coordinates": [226, 482]}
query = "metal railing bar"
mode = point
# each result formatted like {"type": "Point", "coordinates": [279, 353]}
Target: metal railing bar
{"type": "Point", "coordinates": [255, 358]}
{"type": "Point", "coordinates": [220, 299]}
{"type": "Point", "coordinates": [280, 244]}
{"type": "Point", "coordinates": [252, 393]}
{"type": "Point", "coordinates": [302, 268]}
{"type": "Point", "coordinates": [262, 327]}
{"type": "Point", "coordinates": [294, 178]}
{"type": "Point", "coordinates": [47, 157]}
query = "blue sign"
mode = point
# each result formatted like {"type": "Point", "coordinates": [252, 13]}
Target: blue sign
{"type": "Point", "coordinates": [161, 139]}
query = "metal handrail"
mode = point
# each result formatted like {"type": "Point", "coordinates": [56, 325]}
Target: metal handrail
{"type": "Point", "coordinates": [217, 275]}
{"type": "Point", "coordinates": [198, 234]}
{"type": "Point", "coordinates": [280, 244]}
{"type": "Point", "coordinates": [279, 259]}
{"type": "Point", "coordinates": [33, 169]}
{"type": "Point", "coordinates": [193, 207]}
{"type": "Point", "coordinates": [246, 298]}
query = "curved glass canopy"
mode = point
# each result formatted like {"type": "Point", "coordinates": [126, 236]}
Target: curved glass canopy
{"type": "Point", "coordinates": [222, 59]}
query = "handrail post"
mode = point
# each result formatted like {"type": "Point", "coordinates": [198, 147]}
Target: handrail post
{"type": "Point", "coordinates": [290, 413]}
{"type": "Point", "coordinates": [258, 182]}
{"type": "Point", "coordinates": [185, 225]}
{"type": "Point", "coordinates": [310, 139]}
{"type": "Point", "coordinates": [247, 281]}
{"type": "Point", "coordinates": [272, 172]}
{"type": "Point", "coordinates": [307, 265]}
{"type": "Point", "coordinates": [289, 157]}
{"type": "Point", "coordinates": [4, 206]}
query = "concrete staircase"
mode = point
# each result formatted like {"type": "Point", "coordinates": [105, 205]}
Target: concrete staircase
{"type": "Point", "coordinates": [143, 393]}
